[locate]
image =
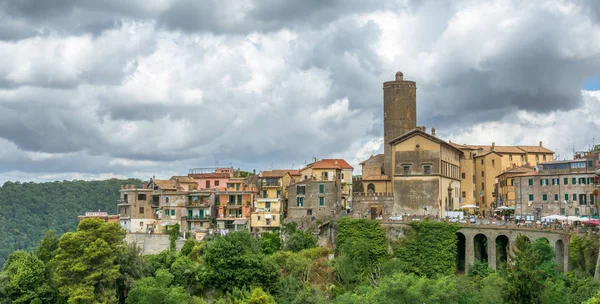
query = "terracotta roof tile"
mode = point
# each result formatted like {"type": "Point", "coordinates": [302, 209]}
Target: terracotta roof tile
{"type": "Point", "coordinates": [276, 173]}
{"type": "Point", "coordinates": [166, 184]}
{"type": "Point", "coordinates": [533, 149]}
{"type": "Point", "coordinates": [209, 175]}
{"type": "Point", "coordinates": [184, 179]}
{"type": "Point", "coordinates": [376, 178]}
{"type": "Point", "coordinates": [332, 164]}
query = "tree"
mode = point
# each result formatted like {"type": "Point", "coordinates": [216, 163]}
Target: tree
{"type": "Point", "coordinates": [86, 269]}
{"type": "Point", "coordinates": [236, 260]}
{"type": "Point", "coordinates": [173, 232]}
{"type": "Point", "coordinates": [270, 242]}
{"type": "Point", "coordinates": [158, 290]}
{"type": "Point", "coordinates": [524, 279]}
{"type": "Point", "coordinates": [132, 266]}
{"type": "Point", "coordinates": [23, 279]}
{"type": "Point", "coordinates": [583, 253]}
{"type": "Point", "coordinates": [300, 240]}
{"type": "Point", "coordinates": [48, 246]}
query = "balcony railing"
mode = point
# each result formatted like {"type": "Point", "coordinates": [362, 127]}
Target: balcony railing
{"type": "Point", "coordinates": [197, 217]}
{"type": "Point", "coordinates": [271, 184]}
{"type": "Point", "coordinates": [123, 202]}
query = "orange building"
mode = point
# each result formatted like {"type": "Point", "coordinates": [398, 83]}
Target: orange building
{"type": "Point", "coordinates": [234, 204]}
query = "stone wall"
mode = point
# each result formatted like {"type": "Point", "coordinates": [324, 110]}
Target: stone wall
{"type": "Point", "coordinates": [151, 243]}
{"type": "Point", "coordinates": [367, 205]}
{"type": "Point", "coordinates": [312, 209]}
{"type": "Point", "coordinates": [410, 195]}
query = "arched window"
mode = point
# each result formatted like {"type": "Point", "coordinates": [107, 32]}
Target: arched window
{"type": "Point", "coordinates": [371, 188]}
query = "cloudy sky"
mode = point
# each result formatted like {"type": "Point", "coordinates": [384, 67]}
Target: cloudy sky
{"type": "Point", "coordinates": [94, 89]}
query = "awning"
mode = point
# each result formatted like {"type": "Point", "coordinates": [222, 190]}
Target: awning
{"type": "Point", "coordinates": [240, 222]}
{"type": "Point", "coordinates": [167, 223]}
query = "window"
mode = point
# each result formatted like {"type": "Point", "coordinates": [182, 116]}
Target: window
{"type": "Point", "coordinates": [555, 181]}
{"type": "Point", "coordinates": [566, 196]}
{"type": "Point", "coordinates": [544, 157]}
{"type": "Point", "coordinates": [463, 175]}
{"type": "Point", "coordinates": [278, 193]}
{"type": "Point", "coordinates": [574, 197]}
{"type": "Point", "coordinates": [141, 196]}
{"type": "Point", "coordinates": [216, 183]}
{"type": "Point", "coordinates": [321, 201]}
{"type": "Point", "coordinates": [574, 181]}
{"type": "Point", "coordinates": [239, 199]}
{"type": "Point", "coordinates": [274, 217]}
{"type": "Point", "coordinates": [265, 194]}
{"type": "Point", "coordinates": [482, 186]}
{"type": "Point", "coordinates": [510, 157]}
{"type": "Point", "coordinates": [321, 188]}
{"type": "Point", "coordinates": [531, 197]}
{"type": "Point", "coordinates": [537, 157]}
{"type": "Point", "coordinates": [258, 217]}
{"type": "Point", "coordinates": [511, 182]}
{"type": "Point", "coordinates": [576, 211]}
{"type": "Point", "coordinates": [324, 175]}
{"type": "Point", "coordinates": [300, 201]}
{"type": "Point", "coordinates": [141, 210]}
{"type": "Point", "coordinates": [544, 182]}
{"type": "Point", "coordinates": [482, 161]}
{"type": "Point", "coordinates": [342, 175]}
{"type": "Point", "coordinates": [300, 189]}
{"type": "Point", "coordinates": [531, 182]}
{"type": "Point", "coordinates": [556, 197]}
{"type": "Point", "coordinates": [482, 174]}
{"type": "Point", "coordinates": [427, 169]}
{"type": "Point", "coordinates": [231, 200]}
{"type": "Point", "coordinates": [544, 197]}
{"type": "Point", "coordinates": [522, 158]}
{"type": "Point", "coordinates": [406, 169]}
{"type": "Point", "coordinates": [229, 185]}
{"type": "Point", "coordinates": [166, 212]}
{"type": "Point", "coordinates": [566, 181]}
{"type": "Point", "coordinates": [267, 205]}
{"type": "Point", "coordinates": [493, 162]}
{"type": "Point", "coordinates": [141, 224]}
{"type": "Point", "coordinates": [167, 199]}
{"type": "Point", "coordinates": [172, 212]}
{"type": "Point", "coordinates": [309, 212]}
{"type": "Point", "coordinates": [591, 199]}
{"type": "Point", "coordinates": [464, 194]}
{"type": "Point", "coordinates": [207, 184]}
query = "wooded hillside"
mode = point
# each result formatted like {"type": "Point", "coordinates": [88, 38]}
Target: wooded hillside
{"type": "Point", "coordinates": [31, 209]}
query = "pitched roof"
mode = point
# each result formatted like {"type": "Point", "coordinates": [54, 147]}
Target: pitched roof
{"type": "Point", "coordinates": [532, 149]}
{"type": "Point", "coordinates": [534, 173]}
{"type": "Point", "coordinates": [184, 179]}
{"type": "Point", "coordinates": [518, 170]}
{"type": "Point", "coordinates": [209, 175]}
{"type": "Point", "coordinates": [415, 132]}
{"type": "Point", "coordinates": [277, 173]}
{"type": "Point", "coordinates": [486, 153]}
{"type": "Point", "coordinates": [378, 157]}
{"type": "Point", "coordinates": [165, 184]}
{"type": "Point", "coordinates": [337, 163]}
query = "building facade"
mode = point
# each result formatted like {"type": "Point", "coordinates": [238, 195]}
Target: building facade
{"type": "Point", "coordinates": [136, 213]}
{"type": "Point", "coordinates": [559, 187]}
{"type": "Point", "coordinates": [425, 174]}
{"type": "Point", "coordinates": [266, 215]}
{"type": "Point", "coordinates": [314, 199]}
{"type": "Point", "coordinates": [234, 203]}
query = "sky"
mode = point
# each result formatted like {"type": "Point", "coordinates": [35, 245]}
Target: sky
{"type": "Point", "coordinates": [99, 89]}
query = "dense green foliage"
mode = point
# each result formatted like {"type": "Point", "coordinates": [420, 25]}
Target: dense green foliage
{"type": "Point", "coordinates": [583, 254]}
{"type": "Point", "coordinates": [30, 209]}
{"type": "Point", "coordinates": [94, 265]}
{"type": "Point", "coordinates": [429, 249]}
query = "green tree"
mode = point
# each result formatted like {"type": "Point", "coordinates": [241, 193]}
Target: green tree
{"type": "Point", "coordinates": [300, 240]}
{"type": "Point", "coordinates": [48, 246]}
{"type": "Point", "coordinates": [236, 260]}
{"type": "Point", "coordinates": [23, 279]}
{"type": "Point", "coordinates": [270, 242]}
{"type": "Point", "coordinates": [158, 290]}
{"type": "Point", "coordinates": [188, 274]}
{"type": "Point", "coordinates": [583, 253]}
{"type": "Point", "coordinates": [86, 269]}
{"type": "Point", "coordinates": [429, 248]}
{"type": "Point", "coordinates": [524, 279]}
{"type": "Point", "coordinates": [132, 266]}
{"type": "Point", "coordinates": [173, 232]}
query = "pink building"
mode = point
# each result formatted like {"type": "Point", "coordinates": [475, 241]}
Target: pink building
{"type": "Point", "coordinates": [208, 178]}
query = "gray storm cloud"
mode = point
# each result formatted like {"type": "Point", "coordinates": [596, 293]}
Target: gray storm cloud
{"type": "Point", "coordinates": [119, 87]}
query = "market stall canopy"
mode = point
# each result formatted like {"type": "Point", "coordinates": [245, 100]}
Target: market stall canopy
{"type": "Point", "coordinates": [468, 206]}
{"type": "Point", "coordinates": [593, 222]}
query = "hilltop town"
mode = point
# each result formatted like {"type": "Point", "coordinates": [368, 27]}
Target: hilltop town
{"type": "Point", "coordinates": [418, 175]}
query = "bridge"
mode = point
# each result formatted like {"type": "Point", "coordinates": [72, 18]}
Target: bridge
{"type": "Point", "coordinates": [492, 242]}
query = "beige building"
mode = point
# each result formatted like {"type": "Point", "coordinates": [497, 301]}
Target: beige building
{"type": "Point", "coordinates": [136, 213]}
{"type": "Point", "coordinates": [331, 170]}
{"type": "Point", "coordinates": [426, 174]}
{"type": "Point", "coordinates": [506, 185]}
{"type": "Point", "coordinates": [373, 178]}
{"type": "Point", "coordinates": [482, 164]}
{"type": "Point", "coordinates": [267, 214]}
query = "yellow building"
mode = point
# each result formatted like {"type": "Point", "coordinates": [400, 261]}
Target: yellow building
{"type": "Point", "coordinates": [481, 164]}
{"type": "Point", "coordinates": [426, 173]}
{"type": "Point", "coordinates": [273, 183]}
{"type": "Point", "coordinates": [332, 170]}
{"type": "Point", "coordinates": [373, 179]}
{"type": "Point", "coordinates": [267, 214]}
{"type": "Point", "coordinates": [506, 185]}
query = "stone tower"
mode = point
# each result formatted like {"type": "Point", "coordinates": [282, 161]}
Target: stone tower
{"type": "Point", "coordinates": [399, 113]}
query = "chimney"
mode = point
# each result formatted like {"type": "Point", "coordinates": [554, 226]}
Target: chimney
{"type": "Point", "coordinates": [424, 129]}
{"type": "Point", "coordinates": [493, 145]}
{"type": "Point", "coordinates": [541, 144]}
{"type": "Point", "coordinates": [433, 131]}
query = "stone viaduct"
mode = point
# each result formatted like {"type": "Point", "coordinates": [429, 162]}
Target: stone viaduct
{"type": "Point", "coordinates": [492, 243]}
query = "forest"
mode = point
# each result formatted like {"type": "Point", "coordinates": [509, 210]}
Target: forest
{"type": "Point", "coordinates": [95, 265]}
{"type": "Point", "coordinates": [31, 209]}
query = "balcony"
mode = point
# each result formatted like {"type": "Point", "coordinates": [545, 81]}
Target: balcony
{"type": "Point", "coordinates": [271, 184]}
{"type": "Point", "coordinates": [266, 210]}
{"type": "Point", "coordinates": [197, 218]}
{"type": "Point", "coordinates": [198, 204]}
{"type": "Point", "coordinates": [231, 217]}
{"type": "Point", "coordinates": [123, 203]}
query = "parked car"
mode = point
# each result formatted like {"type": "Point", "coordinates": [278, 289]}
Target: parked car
{"type": "Point", "coordinates": [395, 218]}
{"type": "Point", "coordinates": [472, 219]}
